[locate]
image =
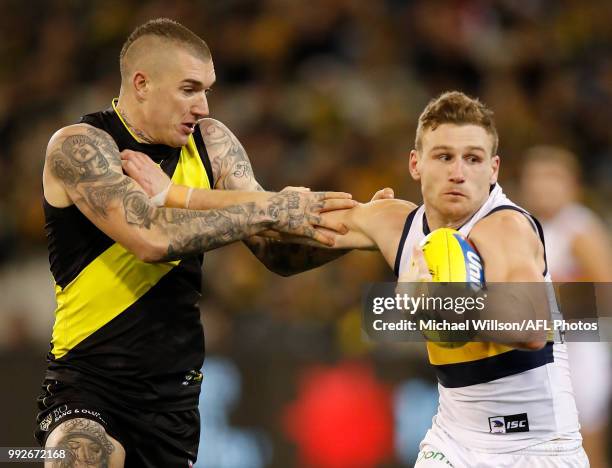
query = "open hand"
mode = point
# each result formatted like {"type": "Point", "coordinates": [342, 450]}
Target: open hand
{"type": "Point", "coordinates": [298, 212]}
{"type": "Point", "coordinates": [145, 172]}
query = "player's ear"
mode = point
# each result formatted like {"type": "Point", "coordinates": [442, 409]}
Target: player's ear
{"type": "Point", "coordinates": [495, 161]}
{"type": "Point", "coordinates": [141, 85]}
{"type": "Point", "coordinates": [414, 166]}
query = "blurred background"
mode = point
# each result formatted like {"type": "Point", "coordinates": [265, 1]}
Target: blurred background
{"type": "Point", "coordinates": [325, 94]}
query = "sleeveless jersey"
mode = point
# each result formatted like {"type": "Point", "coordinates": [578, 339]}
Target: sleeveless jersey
{"type": "Point", "coordinates": [486, 386]}
{"type": "Point", "coordinates": [124, 329]}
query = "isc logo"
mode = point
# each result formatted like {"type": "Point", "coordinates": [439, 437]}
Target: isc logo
{"type": "Point", "coordinates": [511, 423]}
{"type": "Point", "coordinates": [515, 424]}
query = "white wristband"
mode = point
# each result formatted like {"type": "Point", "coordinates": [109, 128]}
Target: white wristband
{"type": "Point", "coordinates": [188, 199]}
{"type": "Point", "coordinates": [160, 198]}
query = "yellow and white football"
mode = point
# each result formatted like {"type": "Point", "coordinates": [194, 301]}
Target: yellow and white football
{"type": "Point", "coordinates": [451, 258]}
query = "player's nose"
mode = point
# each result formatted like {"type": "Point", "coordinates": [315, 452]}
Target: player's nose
{"type": "Point", "coordinates": [200, 107]}
{"type": "Point", "coordinates": [457, 174]}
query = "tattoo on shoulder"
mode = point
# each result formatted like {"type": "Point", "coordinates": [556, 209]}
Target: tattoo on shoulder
{"type": "Point", "coordinates": [85, 443]}
{"type": "Point", "coordinates": [85, 157]}
{"type": "Point", "coordinates": [89, 163]}
{"type": "Point", "coordinates": [229, 160]}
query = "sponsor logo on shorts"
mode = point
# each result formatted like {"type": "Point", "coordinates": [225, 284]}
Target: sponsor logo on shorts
{"type": "Point", "coordinates": [45, 423]}
{"type": "Point", "coordinates": [89, 414]}
{"type": "Point", "coordinates": [510, 423]}
{"type": "Point", "coordinates": [62, 411]}
{"type": "Point", "coordinates": [193, 377]}
{"type": "Point", "coordinates": [433, 455]}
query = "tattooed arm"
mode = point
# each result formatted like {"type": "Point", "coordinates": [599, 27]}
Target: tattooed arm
{"type": "Point", "coordinates": [232, 171]}
{"type": "Point", "coordinates": [83, 167]}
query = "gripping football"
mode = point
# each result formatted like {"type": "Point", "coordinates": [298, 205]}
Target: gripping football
{"type": "Point", "coordinates": [451, 258]}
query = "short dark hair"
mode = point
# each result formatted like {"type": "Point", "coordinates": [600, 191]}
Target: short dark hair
{"type": "Point", "coordinates": [455, 107]}
{"type": "Point", "coordinates": [170, 30]}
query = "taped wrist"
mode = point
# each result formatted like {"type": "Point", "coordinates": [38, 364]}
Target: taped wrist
{"type": "Point", "coordinates": [179, 196]}
{"type": "Point", "coordinates": [160, 198]}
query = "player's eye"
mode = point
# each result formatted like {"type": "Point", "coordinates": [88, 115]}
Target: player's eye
{"type": "Point", "coordinates": [444, 157]}
{"type": "Point", "coordinates": [472, 158]}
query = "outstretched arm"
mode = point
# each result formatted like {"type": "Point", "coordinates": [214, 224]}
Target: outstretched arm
{"type": "Point", "coordinates": [235, 183]}
{"type": "Point", "coordinates": [233, 171]}
{"type": "Point", "coordinates": [84, 163]}
{"type": "Point", "coordinates": [376, 225]}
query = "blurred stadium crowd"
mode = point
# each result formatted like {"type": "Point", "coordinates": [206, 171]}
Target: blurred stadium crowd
{"type": "Point", "coordinates": [324, 94]}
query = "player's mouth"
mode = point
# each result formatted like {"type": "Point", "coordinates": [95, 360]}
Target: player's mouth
{"type": "Point", "coordinates": [455, 193]}
{"type": "Point", "coordinates": [188, 128]}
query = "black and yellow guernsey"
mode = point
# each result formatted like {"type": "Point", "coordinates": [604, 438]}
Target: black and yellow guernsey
{"type": "Point", "coordinates": [127, 331]}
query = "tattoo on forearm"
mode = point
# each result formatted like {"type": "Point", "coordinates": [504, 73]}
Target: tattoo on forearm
{"type": "Point", "coordinates": [287, 259]}
{"type": "Point", "coordinates": [89, 164]}
{"type": "Point", "coordinates": [193, 232]}
{"type": "Point", "coordinates": [85, 444]}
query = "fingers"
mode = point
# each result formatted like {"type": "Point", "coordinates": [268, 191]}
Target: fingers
{"type": "Point", "coordinates": [419, 266]}
{"type": "Point", "coordinates": [138, 158]}
{"type": "Point", "coordinates": [270, 234]}
{"type": "Point", "coordinates": [332, 225]}
{"type": "Point", "coordinates": [337, 204]}
{"type": "Point", "coordinates": [329, 195]}
{"type": "Point", "coordinates": [131, 161]}
{"type": "Point", "coordinates": [386, 193]}
{"type": "Point", "coordinates": [296, 189]}
{"type": "Point", "coordinates": [322, 238]}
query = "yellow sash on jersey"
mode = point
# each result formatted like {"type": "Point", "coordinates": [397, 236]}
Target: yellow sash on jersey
{"type": "Point", "coordinates": [471, 351]}
{"type": "Point", "coordinates": [116, 279]}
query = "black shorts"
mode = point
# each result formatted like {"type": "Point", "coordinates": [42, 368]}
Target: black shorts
{"type": "Point", "coordinates": [150, 438]}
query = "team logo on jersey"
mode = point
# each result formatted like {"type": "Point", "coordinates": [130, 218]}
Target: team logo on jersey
{"type": "Point", "coordinates": [511, 423]}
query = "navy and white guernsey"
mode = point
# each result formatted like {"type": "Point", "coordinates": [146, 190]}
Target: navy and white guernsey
{"type": "Point", "coordinates": [483, 385]}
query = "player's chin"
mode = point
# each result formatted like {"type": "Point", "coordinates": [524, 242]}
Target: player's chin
{"type": "Point", "coordinates": [456, 207]}
{"type": "Point", "coordinates": [178, 140]}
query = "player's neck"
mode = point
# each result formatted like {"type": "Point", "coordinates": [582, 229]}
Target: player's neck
{"type": "Point", "coordinates": [436, 220]}
{"type": "Point", "coordinates": [133, 119]}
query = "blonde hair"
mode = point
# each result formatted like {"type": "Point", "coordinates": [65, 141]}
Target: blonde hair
{"type": "Point", "coordinates": [455, 107]}
{"type": "Point", "coordinates": [167, 29]}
